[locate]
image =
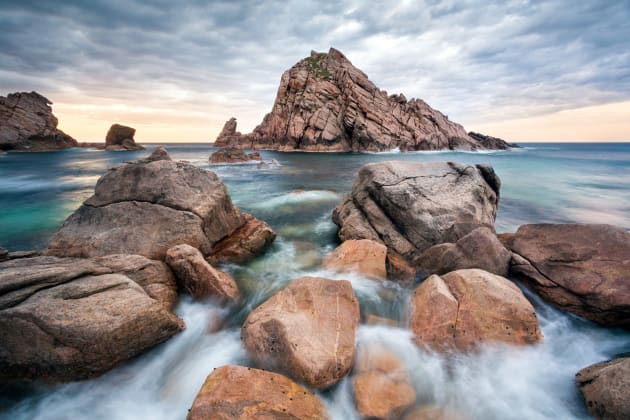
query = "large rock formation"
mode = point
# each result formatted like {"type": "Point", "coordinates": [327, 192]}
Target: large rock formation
{"type": "Point", "coordinates": [324, 103]}
{"type": "Point", "coordinates": [238, 392]}
{"type": "Point", "coordinates": [606, 388]}
{"type": "Point", "coordinates": [149, 206]}
{"type": "Point", "coordinates": [120, 137]}
{"type": "Point", "coordinates": [306, 330]}
{"type": "Point", "coordinates": [65, 319]}
{"type": "Point", "coordinates": [583, 269]}
{"type": "Point", "coordinates": [411, 206]}
{"type": "Point", "coordinates": [28, 124]}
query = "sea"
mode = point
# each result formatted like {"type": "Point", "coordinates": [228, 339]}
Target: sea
{"type": "Point", "coordinates": [540, 182]}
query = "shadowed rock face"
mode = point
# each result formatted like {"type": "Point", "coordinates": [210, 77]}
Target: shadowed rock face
{"type": "Point", "coordinates": [606, 387]}
{"type": "Point", "coordinates": [28, 124]}
{"type": "Point", "coordinates": [324, 103]}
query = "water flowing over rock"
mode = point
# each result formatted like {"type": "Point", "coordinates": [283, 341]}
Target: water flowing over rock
{"type": "Point", "coordinates": [306, 330]}
{"type": "Point", "coordinates": [28, 124]}
{"type": "Point", "coordinates": [232, 155]}
{"type": "Point", "coordinates": [583, 269]}
{"type": "Point", "coordinates": [120, 137]}
{"type": "Point", "coordinates": [606, 388]}
{"type": "Point", "coordinates": [324, 103]}
{"type": "Point", "coordinates": [66, 319]}
{"type": "Point", "coordinates": [465, 308]}
{"type": "Point", "coordinates": [362, 256]}
{"type": "Point", "coordinates": [411, 206]}
{"type": "Point", "coordinates": [238, 392]}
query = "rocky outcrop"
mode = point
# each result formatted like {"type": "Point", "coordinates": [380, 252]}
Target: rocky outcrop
{"type": "Point", "coordinates": [489, 142]}
{"type": "Point", "coordinates": [583, 269]}
{"type": "Point", "coordinates": [411, 206]}
{"type": "Point", "coordinates": [324, 103]}
{"type": "Point", "coordinates": [232, 155]}
{"type": "Point", "coordinates": [362, 256]}
{"type": "Point", "coordinates": [66, 319]}
{"type": "Point", "coordinates": [199, 278]}
{"type": "Point", "coordinates": [238, 392]}
{"type": "Point", "coordinates": [306, 330]}
{"type": "Point", "coordinates": [28, 124]}
{"type": "Point", "coordinates": [244, 243]}
{"type": "Point", "coordinates": [149, 206]}
{"type": "Point", "coordinates": [120, 137]}
{"type": "Point", "coordinates": [465, 308]}
{"type": "Point", "coordinates": [606, 387]}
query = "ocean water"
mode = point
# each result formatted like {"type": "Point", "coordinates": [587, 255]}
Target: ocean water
{"type": "Point", "coordinates": [587, 183]}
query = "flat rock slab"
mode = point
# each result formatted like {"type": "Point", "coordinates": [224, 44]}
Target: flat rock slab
{"type": "Point", "coordinates": [606, 388]}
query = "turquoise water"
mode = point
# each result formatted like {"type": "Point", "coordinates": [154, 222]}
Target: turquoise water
{"type": "Point", "coordinates": [540, 183]}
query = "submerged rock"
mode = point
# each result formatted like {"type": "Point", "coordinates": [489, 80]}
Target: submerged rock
{"type": "Point", "coordinates": [28, 124]}
{"type": "Point", "coordinates": [465, 308]}
{"type": "Point", "coordinates": [606, 388]}
{"type": "Point", "coordinates": [232, 155]}
{"type": "Point", "coordinates": [120, 137]}
{"type": "Point", "coordinates": [238, 392]}
{"type": "Point", "coordinates": [306, 330]}
{"type": "Point", "coordinates": [583, 269]}
{"type": "Point", "coordinates": [66, 319]}
{"type": "Point", "coordinates": [363, 256]}
{"type": "Point", "coordinates": [324, 103]}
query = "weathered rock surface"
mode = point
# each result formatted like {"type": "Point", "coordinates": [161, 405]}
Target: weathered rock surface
{"type": "Point", "coordinates": [324, 103]}
{"type": "Point", "coordinates": [28, 124]}
{"type": "Point", "coordinates": [233, 155]}
{"type": "Point", "coordinates": [583, 269]}
{"type": "Point", "coordinates": [199, 278]}
{"type": "Point", "coordinates": [400, 270]}
{"type": "Point", "coordinates": [65, 319]}
{"type": "Point", "coordinates": [411, 206]}
{"type": "Point", "coordinates": [244, 243]}
{"type": "Point", "coordinates": [465, 308]}
{"type": "Point", "coordinates": [238, 392]}
{"type": "Point", "coordinates": [606, 388]}
{"type": "Point", "coordinates": [363, 256]}
{"type": "Point", "coordinates": [490, 142]}
{"type": "Point", "coordinates": [479, 249]}
{"type": "Point", "coordinates": [382, 387]}
{"type": "Point", "coordinates": [120, 137]}
{"type": "Point", "coordinates": [306, 330]}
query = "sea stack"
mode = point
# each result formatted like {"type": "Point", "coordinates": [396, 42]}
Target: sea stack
{"type": "Point", "coordinates": [120, 137]}
{"type": "Point", "coordinates": [324, 103]}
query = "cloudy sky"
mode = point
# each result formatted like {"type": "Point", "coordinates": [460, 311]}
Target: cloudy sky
{"type": "Point", "coordinates": [523, 70]}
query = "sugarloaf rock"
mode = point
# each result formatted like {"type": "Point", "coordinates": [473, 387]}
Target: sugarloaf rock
{"type": "Point", "coordinates": [120, 137]}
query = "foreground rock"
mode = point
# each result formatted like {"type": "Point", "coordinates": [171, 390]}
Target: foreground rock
{"type": "Point", "coordinates": [232, 155]}
{"type": "Point", "coordinates": [465, 308]}
{"type": "Point", "coordinates": [382, 387]}
{"type": "Point", "coordinates": [433, 412]}
{"type": "Point", "coordinates": [411, 206]}
{"type": "Point", "coordinates": [306, 330]}
{"type": "Point", "coordinates": [149, 206]}
{"type": "Point", "coordinates": [66, 319]}
{"type": "Point", "coordinates": [244, 243]}
{"type": "Point", "coordinates": [324, 103]}
{"type": "Point", "coordinates": [199, 278]}
{"type": "Point", "coordinates": [363, 256]}
{"type": "Point", "coordinates": [120, 137]}
{"type": "Point", "coordinates": [238, 392]}
{"type": "Point", "coordinates": [606, 387]}
{"type": "Point", "coordinates": [583, 269]}
{"type": "Point", "coordinates": [28, 124]}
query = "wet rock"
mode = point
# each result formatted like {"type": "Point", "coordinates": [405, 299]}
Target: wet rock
{"type": "Point", "coordinates": [249, 240]}
{"type": "Point", "coordinates": [306, 330]}
{"type": "Point", "coordinates": [583, 269]}
{"type": "Point", "coordinates": [199, 278]}
{"type": "Point", "coordinates": [232, 155]}
{"type": "Point", "coordinates": [324, 103]}
{"type": "Point", "coordinates": [433, 412]}
{"type": "Point", "coordinates": [362, 256]}
{"type": "Point", "coordinates": [4, 254]}
{"type": "Point", "coordinates": [479, 249]}
{"type": "Point", "coordinates": [372, 319]}
{"type": "Point", "coordinates": [465, 308]}
{"type": "Point", "coordinates": [28, 124]}
{"type": "Point", "coordinates": [606, 387]}
{"type": "Point", "coordinates": [399, 270]}
{"type": "Point", "coordinates": [120, 137]}
{"type": "Point", "coordinates": [411, 206]}
{"type": "Point", "coordinates": [238, 392]}
{"type": "Point", "coordinates": [66, 319]}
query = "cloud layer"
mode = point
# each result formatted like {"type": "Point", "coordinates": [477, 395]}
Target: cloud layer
{"type": "Point", "coordinates": [165, 63]}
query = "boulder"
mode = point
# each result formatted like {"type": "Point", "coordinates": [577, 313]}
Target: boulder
{"type": "Point", "coordinates": [382, 387]}
{"type": "Point", "coordinates": [238, 392]}
{"type": "Point", "coordinates": [249, 240]}
{"type": "Point", "coordinates": [199, 278]}
{"type": "Point", "coordinates": [606, 388]}
{"type": "Point", "coordinates": [232, 155]}
{"type": "Point", "coordinates": [465, 308]}
{"type": "Point", "coordinates": [479, 249]}
{"type": "Point", "coordinates": [306, 330]}
{"type": "Point", "coordinates": [362, 256]}
{"type": "Point", "coordinates": [120, 137]}
{"type": "Point", "coordinates": [433, 412]}
{"type": "Point", "coordinates": [411, 206]}
{"type": "Point", "coordinates": [324, 103]}
{"type": "Point", "coordinates": [159, 153]}
{"type": "Point", "coordinates": [399, 270]}
{"type": "Point", "coordinates": [28, 124]}
{"type": "Point", "coordinates": [583, 269]}
{"type": "Point", "coordinates": [67, 319]}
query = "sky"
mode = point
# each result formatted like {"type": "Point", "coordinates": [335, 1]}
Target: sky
{"type": "Point", "coordinates": [556, 70]}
